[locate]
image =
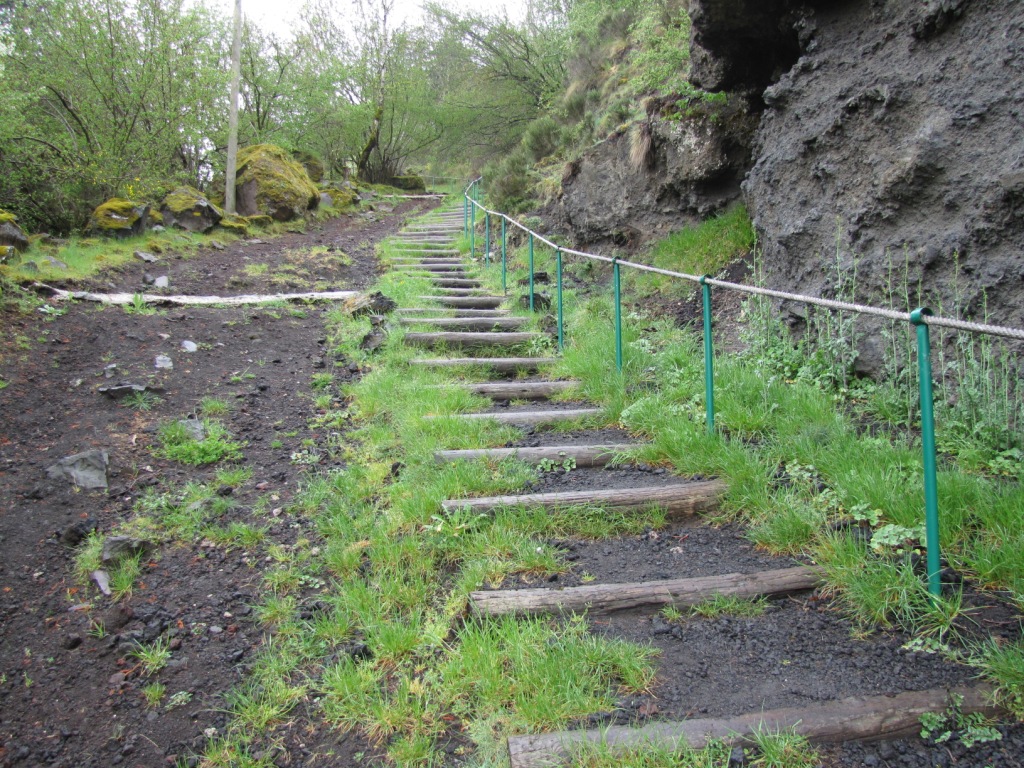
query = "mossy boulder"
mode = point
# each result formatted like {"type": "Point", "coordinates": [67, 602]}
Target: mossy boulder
{"type": "Point", "coordinates": [410, 183]}
{"type": "Point", "coordinates": [259, 220]}
{"type": "Point", "coordinates": [11, 235]}
{"type": "Point", "coordinates": [234, 223]}
{"type": "Point", "coordinates": [119, 218]}
{"type": "Point", "coordinates": [271, 183]}
{"type": "Point", "coordinates": [9, 255]}
{"type": "Point", "coordinates": [187, 208]}
{"type": "Point", "coordinates": [341, 198]}
{"type": "Point", "coordinates": [313, 165]}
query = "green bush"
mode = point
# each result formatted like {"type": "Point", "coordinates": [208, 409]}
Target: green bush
{"type": "Point", "coordinates": [541, 138]}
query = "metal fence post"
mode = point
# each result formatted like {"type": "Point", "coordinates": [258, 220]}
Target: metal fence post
{"type": "Point", "coordinates": [531, 271]}
{"type": "Point", "coordinates": [558, 273]}
{"type": "Point", "coordinates": [931, 485]}
{"type": "Point", "coordinates": [709, 356]}
{"type": "Point", "coordinates": [472, 232]}
{"type": "Point", "coordinates": [465, 214]}
{"type": "Point", "coordinates": [504, 259]}
{"type": "Point", "coordinates": [487, 238]}
{"type": "Point", "coordinates": [617, 288]}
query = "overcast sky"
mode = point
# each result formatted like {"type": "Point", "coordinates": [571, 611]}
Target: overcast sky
{"type": "Point", "coordinates": [276, 15]}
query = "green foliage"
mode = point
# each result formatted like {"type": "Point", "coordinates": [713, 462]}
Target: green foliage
{"type": "Point", "coordinates": [178, 442]}
{"type": "Point", "coordinates": [954, 725]}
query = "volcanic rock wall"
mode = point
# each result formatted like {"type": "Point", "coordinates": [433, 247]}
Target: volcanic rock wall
{"type": "Point", "coordinates": [896, 143]}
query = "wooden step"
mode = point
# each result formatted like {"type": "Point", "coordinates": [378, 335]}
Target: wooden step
{"type": "Point", "coordinates": [519, 390]}
{"type": "Point", "coordinates": [456, 312]}
{"type": "Point", "coordinates": [527, 417]}
{"type": "Point", "coordinates": [454, 282]}
{"type": "Point", "coordinates": [429, 267]}
{"type": "Point", "coordinates": [611, 598]}
{"type": "Point", "coordinates": [581, 455]}
{"type": "Point", "coordinates": [686, 498]}
{"type": "Point", "coordinates": [469, 340]}
{"type": "Point", "coordinates": [469, 323]}
{"type": "Point", "coordinates": [468, 302]}
{"type": "Point", "coordinates": [426, 260]}
{"type": "Point", "coordinates": [497, 364]}
{"type": "Point", "coordinates": [855, 718]}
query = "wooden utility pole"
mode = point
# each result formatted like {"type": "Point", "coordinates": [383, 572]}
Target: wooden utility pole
{"type": "Point", "coordinates": [236, 57]}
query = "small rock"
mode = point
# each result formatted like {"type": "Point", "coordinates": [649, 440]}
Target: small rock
{"type": "Point", "coordinates": [216, 246]}
{"type": "Point", "coordinates": [163, 361]}
{"type": "Point", "coordinates": [189, 346]}
{"type": "Point", "coordinates": [116, 679]}
{"type": "Point", "coordinates": [56, 263]}
{"type": "Point", "coordinates": [148, 279]}
{"type": "Point", "coordinates": [102, 579]}
{"type": "Point", "coordinates": [149, 258]}
{"type": "Point", "coordinates": [86, 470]}
{"type": "Point", "coordinates": [194, 427]}
{"type": "Point", "coordinates": [161, 282]}
{"type": "Point", "coordinates": [215, 630]}
{"type": "Point", "coordinates": [75, 533]}
{"type": "Point", "coordinates": [737, 757]}
{"type": "Point", "coordinates": [158, 228]}
{"type": "Point", "coordinates": [116, 548]}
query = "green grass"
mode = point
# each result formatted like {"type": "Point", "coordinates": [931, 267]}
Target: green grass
{"type": "Point", "coordinates": [152, 657]}
{"type": "Point", "coordinates": [178, 443]}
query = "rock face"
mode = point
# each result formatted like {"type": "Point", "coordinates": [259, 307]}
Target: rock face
{"type": "Point", "coordinates": [119, 218]}
{"type": "Point", "coordinates": [665, 173]}
{"type": "Point", "coordinates": [891, 147]}
{"type": "Point", "coordinates": [187, 208]}
{"type": "Point", "coordinates": [86, 470]}
{"type": "Point", "coordinates": [270, 182]}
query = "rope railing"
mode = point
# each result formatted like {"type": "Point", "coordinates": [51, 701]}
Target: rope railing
{"type": "Point", "coordinates": [921, 319]}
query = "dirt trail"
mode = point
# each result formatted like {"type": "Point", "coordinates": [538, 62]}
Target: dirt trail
{"type": "Point", "coordinates": [70, 694]}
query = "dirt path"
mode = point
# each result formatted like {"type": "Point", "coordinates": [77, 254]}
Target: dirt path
{"type": "Point", "coordinates": [70, 693]}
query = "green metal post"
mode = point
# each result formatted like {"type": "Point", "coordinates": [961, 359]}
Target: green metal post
{"type": "Point", "coordinates": [617, 286]}
{"type": "Point", "coordinates": [487, 238]}
{"type": "Point", "coordinates": [931, 485]}
{"type": "Point", "coordinates": [472, 232]}
{"type": "Point", "coordinates": [465, 215]}
{"type": "Point", "coordinates": [558, 272]}
{"type": "Point", "coordinates": [504, 258]}
{"type": "Point", "coordinates": [531, 271]}
{"type": "Point", "coordinates": [709, 357]}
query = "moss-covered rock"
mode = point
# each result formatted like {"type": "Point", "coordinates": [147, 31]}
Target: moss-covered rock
{"type": "Point", "coordinates": [9, 255]}
{"type": "Point", "coordinates": [188, 208]}
{"type": "Point", "coordinates": [234, 223]}
{"type": "Point", "coordinates": [341, 197]}
{"type": "Point", "coordinates": [259, 220]}
{"type": "Point", "coordinates": [119, 218]}
{"type": "Point", "coordinates": [11, 235]}
{"type": "Point", "coordinates": [409, 183]}
{"type": "Point", "coordinates": [313, 165]}
{"type": "Point", "coordinates": [270, 182]}
{"type": "Point", "coordinates": [155, 218]}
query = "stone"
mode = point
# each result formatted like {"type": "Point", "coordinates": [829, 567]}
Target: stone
{"type": "Point", "coordinates": [161, 282]}
{"type": "Point", "coordinates": [189, 346]}
{"type": "Point", "coordinates": [77, 532]}
{"type": "Point", "coordinates": [119, 391]}
{"type": "Point", "coordinates": [102, 579]}
{"type": "Point", "coordinates": [87, 470]}
{"type": "Point", "coordinates": [9, 255]}
{"type": "Point", "coordinates": [375, 303]}
{"type": "Point", "coordinates": [540, 301]}
{"type": "Point", "coordinates": [11, 234]}
{"type": "Point", "coordinates": [55, 263]}
{"type": "Point", "coordinates": [30, 267]}
{"type": "Point", "coordinates": [187, 208]}
{"type": "Point", "coordinates": [117, 548]}
{"type": "Point", "coordinates": [163, 361]}
{"type": "Point", "coordinates": [194, 427]}
{"type": "Point", "coordinates": [119, 218]}
{"type": "Point", "coordinates": [273, 184]}
{"type": "Point", "coordinates": [145, 256]}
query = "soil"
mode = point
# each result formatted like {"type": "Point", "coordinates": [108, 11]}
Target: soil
{"type": "Point", "coordinates": [69, 694]}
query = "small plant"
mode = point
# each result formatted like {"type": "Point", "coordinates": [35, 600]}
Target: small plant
{"type": "Point", "coordinates": [321, 380]}
{"type": "Point", "coordinates": [183, 442]}
{"type": "Point", "coordinates": [567, 465]}
{"type": "Point", "coordinates": [214, 407]}
{"type": "Point", "coordinates": [730, 605]}
{"type": "Point", "coordinates": [97, 629]}
{"type": "Point", "coordinates": [141, 401]}
{"type": "Point", "coordinates": [783, 749]}
{"type": "Point", "coordinates": [179, 699]}
{"type": "Point", "coordinates": [153, 694]}
{"type": "Point", "coordinates": [153, 657]}
{"type": "Point", "coordinates": [954, 725]}
{"type": "Point", "coordinates": [138, 306]}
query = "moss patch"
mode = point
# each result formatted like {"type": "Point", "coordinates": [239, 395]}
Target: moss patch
{"type": "Point", "coordinates": [7, 218]}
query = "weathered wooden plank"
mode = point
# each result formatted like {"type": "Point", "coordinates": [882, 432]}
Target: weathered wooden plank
{"type": "Point", "coordinates": [677, 499]}
{"type": "Point", "coordinates": [455, 312]}
{"type": "Point", "coordinates": [856, 718]}
{"type": "Point", "coordinates": [454, 282]}
{"type": "Point", "coordinates": [455, 267]}
{"type": "Point", "coordinates": [611, 598]}
{"type": "Point", "coordinates": [581, 455]}
{"type": "Point", "coordinates": [468, 340]}
{"type": "Point", "coordinates": [467, 302]}
{"type": "Point", "coordinates": [156, 298]}
{"type": "Point", "coordinates": [468, 323]}
{"type": "Point", "coordinates": [498, 364]}
{"type": "Point", "coordinates": [519, 390]}
{"type": "Point", "coordinates": [527, 417]}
